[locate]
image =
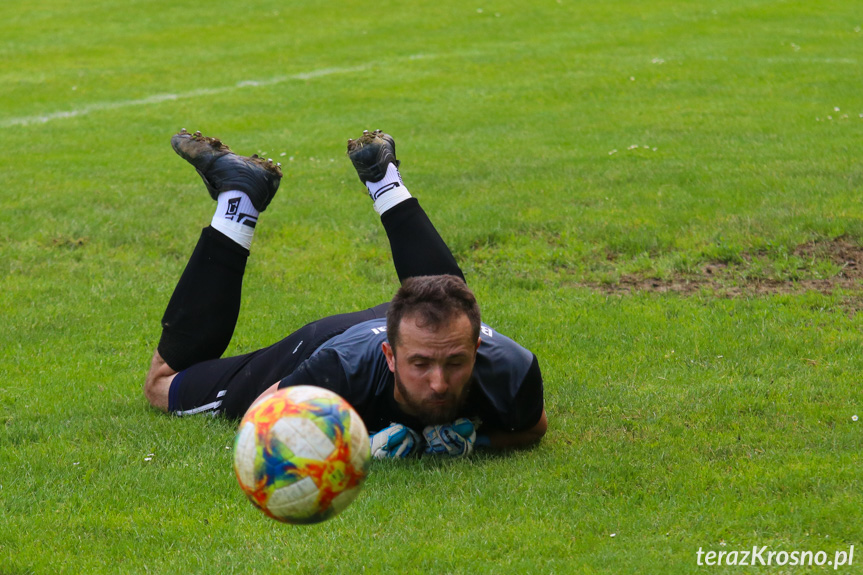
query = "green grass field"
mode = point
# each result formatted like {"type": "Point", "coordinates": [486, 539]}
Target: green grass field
{"type": "Point", "coordinates": [651, 196]}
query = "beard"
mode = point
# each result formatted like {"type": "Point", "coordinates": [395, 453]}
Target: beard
{"type": "Point", "coordinates": [429, 410]}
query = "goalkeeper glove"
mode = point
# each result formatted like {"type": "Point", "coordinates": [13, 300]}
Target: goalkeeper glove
{"type": "Point", "coordinates": [455, 439]}
{"type": "Point", "coordinates": [394, 441]}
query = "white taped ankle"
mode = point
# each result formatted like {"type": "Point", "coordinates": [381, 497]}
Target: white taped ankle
{"type": "Point", "coordinates": [236, 217]}
{"type": "Point", "coordinates": [389, 191]}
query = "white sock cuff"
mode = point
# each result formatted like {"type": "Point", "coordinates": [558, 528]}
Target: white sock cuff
{"type": "Point", "coordinates": [236, 206]}
{"type": "Point", "coordinates": [389, 191]}
{"type": "Point", "coordinates": [236, 217]}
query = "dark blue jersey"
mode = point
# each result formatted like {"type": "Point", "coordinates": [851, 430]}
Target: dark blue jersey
{"type": "Point", "coordinates": [506, 392]}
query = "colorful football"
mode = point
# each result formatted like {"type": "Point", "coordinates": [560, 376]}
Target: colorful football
{"type": "Point", "coordinates": [301, 454]}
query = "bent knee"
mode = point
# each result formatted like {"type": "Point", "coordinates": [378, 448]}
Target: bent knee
{"type": "Point", "coordinates": [157, 386]}
{"type": "Point", "coordinates": [156, 394]}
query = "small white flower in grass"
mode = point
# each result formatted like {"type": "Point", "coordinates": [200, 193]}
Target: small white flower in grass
{"type": "Point", "coordinates": [283, 154]}
{"type": "Point", "coordinates": [148, 459]}
{"type": "Point", "coordinates": [654, 149]}
{"type": "Point", "coordinates": [612, 152]}
{"type": "Point", "coordinates": [632, 147]}
{"type": "Point", "coordinates": [836, 108]}
{"type": "Point", "coordinates": [632, 78]}
{"type": "Point", "coordinates": [79, 463]}
{"type": "Point", "coordinates": [853, 418]}
{"type": "Point", "coordinates": [722, 542]}
{"type": "Point", "coordinates": [614, 535]}
{"type": "Point", "coordinates": [479, 10]}
{"type": "Point", "coordinates": [829, 117]}
{"type": "Point", "coordinates": [227, 447]}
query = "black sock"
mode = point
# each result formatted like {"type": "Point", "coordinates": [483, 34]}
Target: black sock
{"type": "Point", "coordinates": [202, 313]}
{"type": "Point", "coordinates": [418, 249]}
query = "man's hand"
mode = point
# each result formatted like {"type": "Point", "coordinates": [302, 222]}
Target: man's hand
{"type": "Point", "coordinates": [455, 439]}
{"type": "Point", "coordinates": [395, 441]}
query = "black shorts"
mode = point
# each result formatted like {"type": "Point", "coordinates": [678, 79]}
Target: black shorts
{"type": "Point", "coordinates": [229, 385]}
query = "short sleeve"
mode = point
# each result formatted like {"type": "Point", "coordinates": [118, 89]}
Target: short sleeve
{"type": "Point", "coordinates": [529, 400]}
{"type": "Point", "coordinates": [511, 401]}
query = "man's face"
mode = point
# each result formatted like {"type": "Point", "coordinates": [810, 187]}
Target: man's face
{"type": "Point", "coordinates": [433, 368]}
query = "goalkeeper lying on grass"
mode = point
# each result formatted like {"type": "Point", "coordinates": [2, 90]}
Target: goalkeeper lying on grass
{"type": "Point", "coordinates": [422, 370]}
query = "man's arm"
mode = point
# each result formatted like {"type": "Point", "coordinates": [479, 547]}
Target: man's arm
{"type": "Point", "coordinates": [515, 439]}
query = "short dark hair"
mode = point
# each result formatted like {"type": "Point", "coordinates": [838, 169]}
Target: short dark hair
{"type": "Point", "coordinates": [434, 301]}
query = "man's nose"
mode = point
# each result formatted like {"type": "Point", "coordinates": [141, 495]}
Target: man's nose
{"type": "Point", "coordinates": [437, 381]}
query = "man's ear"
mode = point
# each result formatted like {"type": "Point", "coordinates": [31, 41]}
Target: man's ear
{"type": "Point", "coordinates": [390, 354]}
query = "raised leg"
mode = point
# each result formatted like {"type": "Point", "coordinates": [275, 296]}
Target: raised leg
{"type": "Point", "coordinates": [417, 248]}
{"type": "Point", "coordinates": [202, 313]}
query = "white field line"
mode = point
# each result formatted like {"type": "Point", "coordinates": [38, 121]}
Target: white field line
{"type": "Point", "coordinates": [159, 98]}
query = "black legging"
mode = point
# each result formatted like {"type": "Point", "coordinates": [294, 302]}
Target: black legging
{"type": "Point", "coordinates": [201, 316]}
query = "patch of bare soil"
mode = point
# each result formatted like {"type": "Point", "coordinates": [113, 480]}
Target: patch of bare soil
{"type": "Point", "coordinates": [721, 279]}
